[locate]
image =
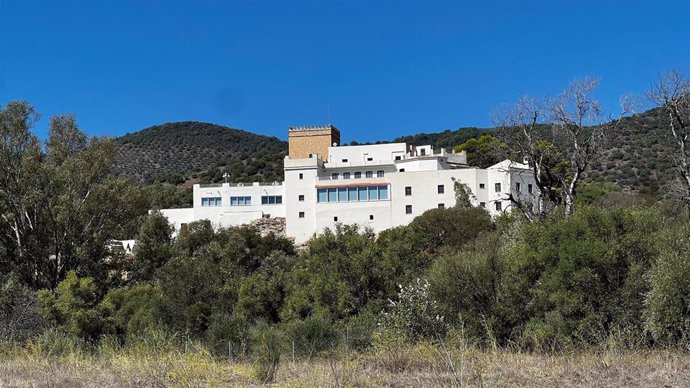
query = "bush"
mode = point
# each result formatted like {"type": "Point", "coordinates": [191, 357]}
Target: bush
{"type": "Point", "coordinates": [667, 307]}
{"type": "Point", "coordinates": [20, 316]}
{"type": "Point", "coordinates": [311, 336]}
{"type": "Point", "coordinates": [73, 307]}
{"type": "Point", "coordinates": [268, 343]}
{"type": "Point", "coordinates": [573, 280]}
{"type": "Point", "coordinates": [414, 315]}
{"type": "Point", "coordinates": [465, 284]}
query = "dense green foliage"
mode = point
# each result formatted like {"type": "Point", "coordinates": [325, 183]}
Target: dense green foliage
{"type": "Point", "coordinates": [175, 152]}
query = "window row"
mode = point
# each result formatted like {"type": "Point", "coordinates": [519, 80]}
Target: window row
{"type": "Point", "coordinates": [240, 201]}
{"type": "Point", "coordinates": [358, 175]}
{"type": "Point", "coordinates": [353, 194]}
{"type": "Point", "coordinates": [271, 199]}
{"type": "Point", "coordinates": [211, 201]}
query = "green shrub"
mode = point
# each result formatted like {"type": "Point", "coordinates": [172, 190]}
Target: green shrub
{"type": "Point", "coordinates": [667, 307]}
{"type": "Point", "coordinates": [311, 336]}
{"type": "Point", "coordinates": [414, 314]}
{"type": "Point", "coordinates": [20, 316]}
{"type": "Point", "coordinates": [465, 284]}
{"type": "Point", "coordinates": [268, 343]}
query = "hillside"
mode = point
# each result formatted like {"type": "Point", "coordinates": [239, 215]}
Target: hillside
{"type": "Point", "coordinates": [189, 150]}
{"type": "Point", "coordinates": [637, 157]}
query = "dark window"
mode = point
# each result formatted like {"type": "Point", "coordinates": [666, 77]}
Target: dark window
{"type": "Point", "coordinates": [408, 190]}
{"type": "Point", "coordinates": [441, 206]}
{"type": "Point", "coordinates": [482, 204]}
{"type": "Point", "coordinates": [398, 157]}
{"type": "Point", "coordinates": [481, 186]}
{"type": "Point", "coordinates": [370, 159]}
{"type": "Point", "coordinates": [301, 176]}
{"type": "Point", "coordinates": [344, 160]}
{"type": "Point", "coordinates": [422, 152]}
{"type": "Point", "coordinates": [371, 216]}
{"type": "Point", "coordinates": [517, 186]}
{"type": "Point", "coordinates": [271, 199]}
{"type": "Point", "coordinates": [335, 219]}
{"type": "Point", "coordinates": [497, 187]}
{"type": "Point", "coordinates": [369, 174]}
{"type": "Point", "coordinates": [346, 175]}
{"type": "Point", "coordinates": [334, 175]}
{"type": "Point", "coordinates": [498, 206]}
{"type": "Point", "coordinates": [301, 197]}
{"type": "Point", "coordinates": [379, 174]}
{"type": "Point", "coordinates": [529, 188]}
{"type": "Point", "coordinates": [358, 175]}
{"type": "Point", "coordinates": [408, 209]}
{"type": "Point", "coordinates": [441, 189]}
{"type": "Point", "coordinates": [402, 170]}
{"type": "Point", "coordinates": [301, 214]}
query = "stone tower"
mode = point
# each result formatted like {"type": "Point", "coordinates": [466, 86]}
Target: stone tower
{"type": "Point", "coordinates": [306, 142]}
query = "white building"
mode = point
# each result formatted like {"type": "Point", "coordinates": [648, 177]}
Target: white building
{"type": "Point", "coordinates": [378, 186]}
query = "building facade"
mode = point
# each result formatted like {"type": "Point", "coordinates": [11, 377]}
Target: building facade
{"type": "Point", "coordinates": [377, 186]}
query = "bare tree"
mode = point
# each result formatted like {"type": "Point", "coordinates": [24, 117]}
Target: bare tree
{"type": "Point", "coordinates": [559, 138]}
{"type": "Point", "coordinates": [672, 94]}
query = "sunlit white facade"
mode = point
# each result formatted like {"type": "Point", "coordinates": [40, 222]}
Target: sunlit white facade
{"type": "Point", "coordinates": [377, 186]}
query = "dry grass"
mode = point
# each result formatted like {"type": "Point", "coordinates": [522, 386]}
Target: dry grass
{"type": "Point", "coordinates": [421, 365]}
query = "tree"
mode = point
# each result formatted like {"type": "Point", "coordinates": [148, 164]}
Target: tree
{"type": "Point", "coordinates": [153, 248]}
{"type": "Point", "coordinates": [559, 138]}
{"type": "Point", "coordinates": [672, 94]}
{"type": "Point", "coordinates": [484, 151]}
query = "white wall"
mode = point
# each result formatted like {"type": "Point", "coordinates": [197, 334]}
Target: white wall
{"type": "Point", "coordinates": [361, 153]}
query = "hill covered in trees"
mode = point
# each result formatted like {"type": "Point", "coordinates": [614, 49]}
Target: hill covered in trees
{"type": "Point", "coordinates": [176, 152]}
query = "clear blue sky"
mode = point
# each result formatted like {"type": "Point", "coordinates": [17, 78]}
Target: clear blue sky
{"type": "Point", "coordinates": [385, 68]}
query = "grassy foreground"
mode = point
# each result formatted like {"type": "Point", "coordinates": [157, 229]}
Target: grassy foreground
{"type": "Point", "coordinates": [421, 365]}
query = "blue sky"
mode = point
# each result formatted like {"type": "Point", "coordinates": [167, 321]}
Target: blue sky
{"type": "Point", "coordinates": [382, 68]}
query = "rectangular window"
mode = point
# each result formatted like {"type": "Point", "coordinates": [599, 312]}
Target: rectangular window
{"type": "Point", "coordinates": [370, 159]}
{"type": "Point", "coordinates": [240, 201]}
{"type": "Point", "coordinates": [481, 186]}
{"type": "Point", "coordinates": [332, 195]}
{"type": "Point", "coordinates": [335, 219]}
{"type": "Point", "coordinates": [346, 175]}
{"type": "Point", "coordinates": [371, 216]}
{"type": "Point", "coordinates": [334, 175]}
{"type": "Point", "coordinates": [398, 157]}
{"type": "Point", "coordinates": [358, 175]}
{"type": "Point", "coordinates": [344, 160]}
{"type": "Point", "coordinates": [300, 198]}
{"type": "Point", "coordinates": [352, 194]}
{"type": "Point", "coordinates": [499, 206]}
{"type": "Point", "coordinates": [301, 214]}
{"type": "Point", "coordinates": [408, 191]}
{"type": "Point", "coordinates": [363, 194]}
{"type": "Point", "coordinates": [301, 176]}
{"type": "Point", "coordinates": [379, 174]}
{"type": "Point", "coordinates": [322, 195]}
{"type": "Point", "coordinates": [441, 206]}
{"type": "Point", "coordinates": [373, 193]}
{"type": "Point", "coordinates": [441, 189]}
{"type": "Point", "coordinates": [408, 209]}
{"type": "Point", "coordinates": [529, 188]}
{"type": "Point", "coordinates": [497, 187]}
{"type": "Point", "coordinates": [482, 204]}
{"type": "Point", "coordinates": [383, 192]}
{"type": "Point", "coordinates": [517, 186]}
{"type": "Point", "coordinates": [370, 174]}
{"type": "Point", "coordinates": [402, 170]}
{"type": "Point", "coordinates": [211, 201]}
{"type": "Point", "coordinates": [342, 194]}
{"type": "Point", "coordinates": [272, 199]}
